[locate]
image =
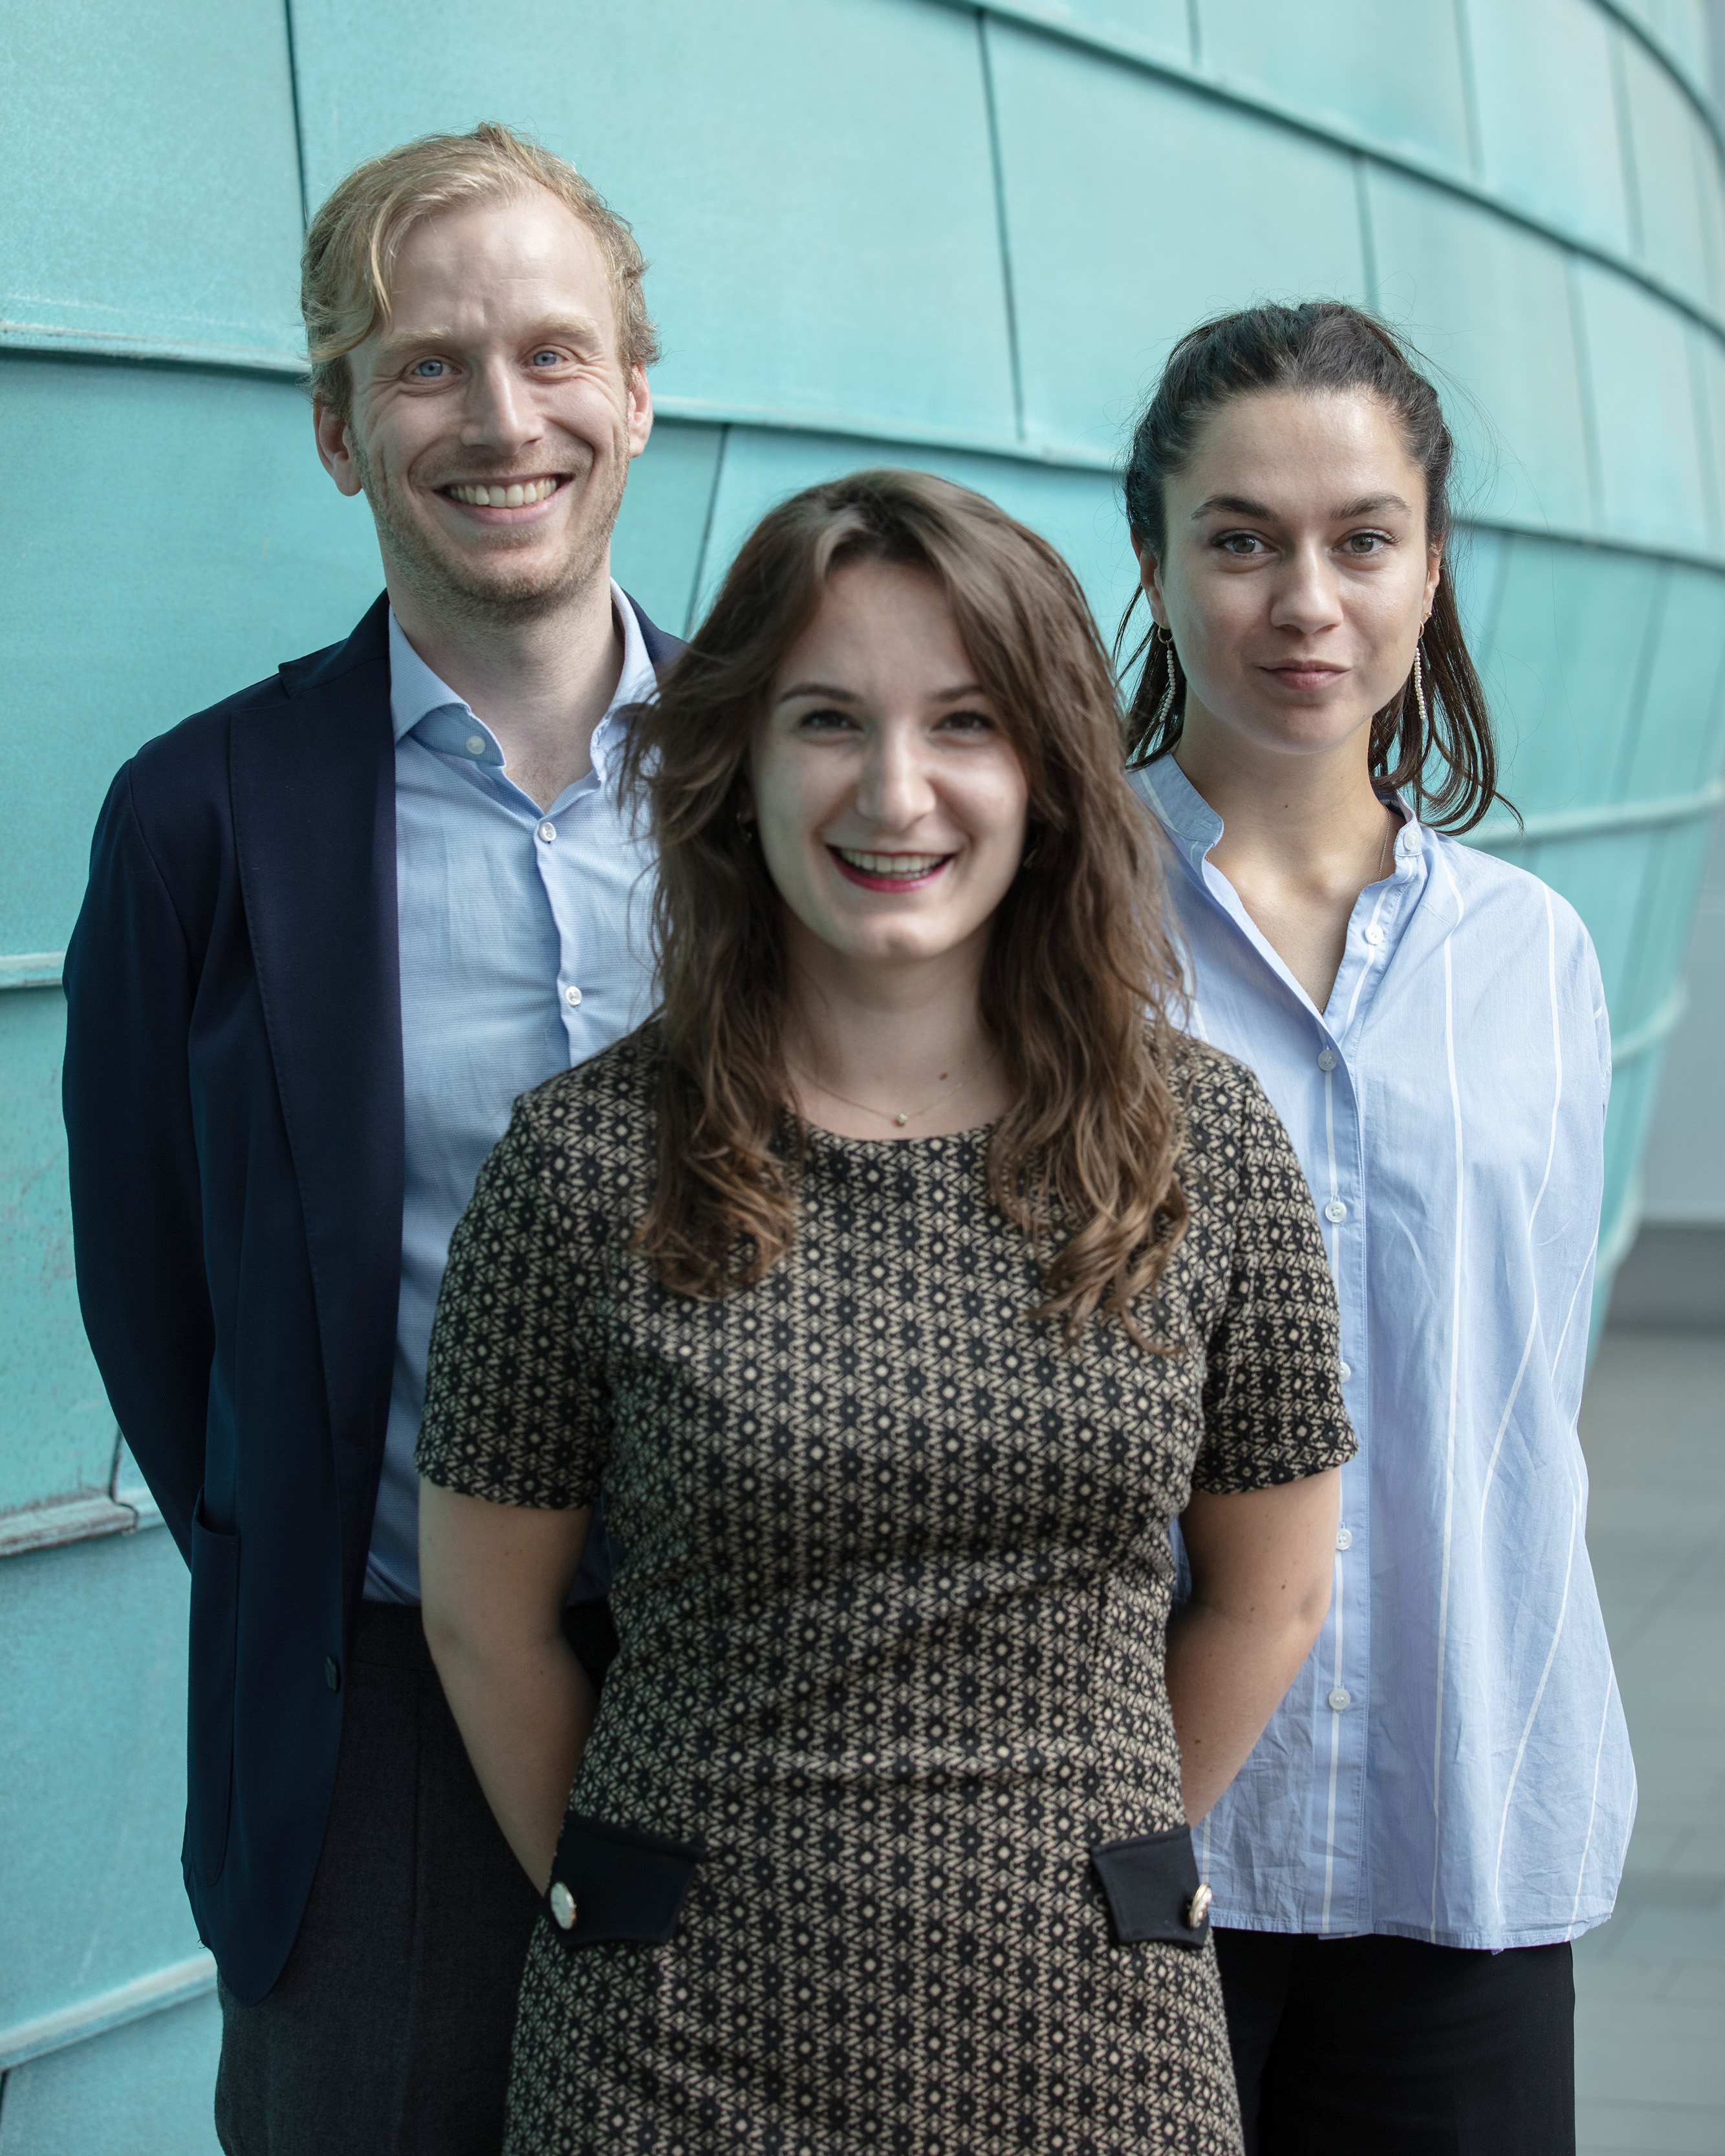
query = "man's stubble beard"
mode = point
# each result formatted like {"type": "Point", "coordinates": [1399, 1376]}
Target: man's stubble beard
{"type": "Point", "coordinates": [495, 600]}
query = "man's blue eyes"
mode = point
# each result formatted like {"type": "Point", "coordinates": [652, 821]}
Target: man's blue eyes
{"type": "Point", "coordinates": [430, 370]}
{"type": "Point", "coordinates": [426, 368]}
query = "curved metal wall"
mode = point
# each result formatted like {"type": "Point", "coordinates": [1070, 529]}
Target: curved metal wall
{"type": "Point", "coordinates": [956, 236]}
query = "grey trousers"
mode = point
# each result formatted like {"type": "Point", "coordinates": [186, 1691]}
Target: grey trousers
{"type": "Point", "coordinates": [388, 2033]}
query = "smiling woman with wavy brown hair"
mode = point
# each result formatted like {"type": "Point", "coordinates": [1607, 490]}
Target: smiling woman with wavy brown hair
{"type": "Point", "coordinates": [895, 1285]}
{"type": "Point", "coordinates": [1079, 972]}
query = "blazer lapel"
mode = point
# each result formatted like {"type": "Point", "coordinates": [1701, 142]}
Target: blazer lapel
{"type": "Point", "coordinates": [314, 818]}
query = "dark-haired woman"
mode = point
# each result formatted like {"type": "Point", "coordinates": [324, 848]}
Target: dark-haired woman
{"type": "Point", "coordinates": [897, 1286]}
{"type": "Point", "coordinates": [1450, 1775]}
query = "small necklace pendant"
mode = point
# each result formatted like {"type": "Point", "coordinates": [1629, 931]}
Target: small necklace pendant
{"type": "Point", "coordinates": [902, 1121]}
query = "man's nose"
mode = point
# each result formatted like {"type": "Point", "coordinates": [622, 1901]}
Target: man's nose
{"type": "Point", "coordinates": [499, 415]}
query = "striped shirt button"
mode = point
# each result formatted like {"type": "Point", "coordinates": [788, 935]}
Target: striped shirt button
{"type": "Point", "coordinates": [1335, 1210]}
{"type": "Point", "coordinates": [1326, 1059]}
{"type": "Point", "coordinates": [1340, 1700]}
{"type": "Point", "coordinates": [1344, 1538]}
{"type": "Point", "coordinates": [1375, 934]}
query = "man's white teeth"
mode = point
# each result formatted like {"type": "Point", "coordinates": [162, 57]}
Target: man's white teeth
{"type": "Point", "coordinates": [506, 497]}
{"type": "Point", "coordinates": [907, 865]}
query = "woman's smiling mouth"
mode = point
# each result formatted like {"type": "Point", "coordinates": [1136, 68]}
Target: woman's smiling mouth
{"type": "Point", "coordinates": [887, 872]}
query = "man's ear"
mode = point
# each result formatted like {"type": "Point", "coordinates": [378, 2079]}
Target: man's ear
{"type": "Point", "coordinates": [334, 448]}
{"type": "Point", "coordinates": [640, 410]}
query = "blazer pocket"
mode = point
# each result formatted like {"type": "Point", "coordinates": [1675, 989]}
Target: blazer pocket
{"type": "Point", "coordinates": [617, 1882]}
{"type": "Point", "coordinates": [209, 1717]}
{"type": "Point", "coordinates": [1152, 1887]}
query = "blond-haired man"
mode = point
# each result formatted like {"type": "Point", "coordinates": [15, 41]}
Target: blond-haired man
{"type": "Point", "coordinates": [334, 926]}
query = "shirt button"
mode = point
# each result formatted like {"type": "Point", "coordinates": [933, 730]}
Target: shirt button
{"type": "Point", "coordinates": [548, 831]}
{"type": "Point", "coordinates": [571, 996]}
{"type": "Point", "coordinates": [475, 744]}
{"type": "Point", "coordinates": [1344, 1538]}
{"type": "Point", "coordinates": [1375, 934]}
{"type": "Point", "coordinates": [1326, 1059]}
{"type": "Point", "coordinates": [1335, 1210]}
{"type": "Point", "coordinates": [1346, 1370]}
{"type": "Point", "coordinates": [1340, 1700]}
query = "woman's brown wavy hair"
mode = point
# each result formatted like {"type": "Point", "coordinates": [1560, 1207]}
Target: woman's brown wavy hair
{"type": "Point", "coordinates": [1080, 973]}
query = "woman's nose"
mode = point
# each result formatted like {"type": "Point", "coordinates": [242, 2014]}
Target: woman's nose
{"type": "Point", "coordinates": [894, 789]}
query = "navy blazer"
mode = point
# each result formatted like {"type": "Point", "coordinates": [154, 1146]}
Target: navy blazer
{"type": "Point", "coordinates": [234, 1111]}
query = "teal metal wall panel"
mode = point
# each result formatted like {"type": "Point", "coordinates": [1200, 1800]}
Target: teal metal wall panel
{"type": "Point", "coordinates": [1708, 366]}
{"type": "Point", "coordinates": [1541, 71]}
{"type": "Point", "coordinates": [1564, 665]}
{"type": "Point", "coordinates": [1488, 302]}
{"type": "Point", "coordinates": [1186, 207]}
{"type": "Point", "coordinates": [1674, 746]}
{"type": "Point", "coordinates": [142, 202]}
{"type": "Point", "coordinates": [56, 1432]}
{"type": "Point", "coordinates": [1680, 28]}
{"type": "Point", "coordinates": [92, 1771]}
{"type": "Point", "coordinates": [804, 263]}
{"type": "Point", "coordinates": [1668, 140]}
{"type": "Point", "coordinates": [1160, 28]}
{"type": "Point", "coordinates": [1393, 72]}
{"type": "Point", "coordinates": [1643, 401]}
{"type": "Point", "coordinates": [142, 2089]}
{"type": "Point", "coordinates": [1078, 512]}
{"type": "Point", "coordinates": [221, 548]}
{"type": "Point", "coordinates": [656, 549]}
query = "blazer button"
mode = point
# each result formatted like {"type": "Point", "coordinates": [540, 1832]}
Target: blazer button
{"type": "Point", "coordinates": [562, 1905]}
{"type": "Point", "coordinates": [332, 1673]}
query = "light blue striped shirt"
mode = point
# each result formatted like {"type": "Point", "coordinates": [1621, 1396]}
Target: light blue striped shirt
{"type": "Point", "coordinates": [524, 949]}
{"type": "Point", "coordinates": [1452, 1763]}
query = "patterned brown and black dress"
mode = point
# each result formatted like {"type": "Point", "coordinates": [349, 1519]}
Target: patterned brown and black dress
{"type": "Point", "coordinates": [891, 1594]}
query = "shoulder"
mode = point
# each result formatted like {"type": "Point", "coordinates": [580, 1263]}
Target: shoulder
{"type": "Point", "coordinates": [1514, 910]}
{"type": "Point", "coordinates": [1234, 1142]}
{"type": "Point", "coordinates": [606, 1108]}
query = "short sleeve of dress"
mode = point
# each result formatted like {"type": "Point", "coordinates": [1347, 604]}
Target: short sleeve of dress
{"type": "Point", "coordinates": [1272, 1398]}
{"type": "Point", "coordinates": [514, 1407]}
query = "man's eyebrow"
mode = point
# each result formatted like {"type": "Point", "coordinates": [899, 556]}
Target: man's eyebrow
{"type": "Point", "coordinates": [394, 342]}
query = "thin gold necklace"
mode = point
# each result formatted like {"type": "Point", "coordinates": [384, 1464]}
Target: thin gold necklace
{"type": "Point", "coordinates": [900, 1116]}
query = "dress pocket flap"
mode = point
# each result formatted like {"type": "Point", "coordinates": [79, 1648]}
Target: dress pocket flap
{"type": "Point", "coordinates": [617, 1882]}
{"type": "Point", "coordinates": [1152, 1887]}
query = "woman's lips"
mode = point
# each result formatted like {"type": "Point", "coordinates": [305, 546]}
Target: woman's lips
{"type": "Point", "coordinates": [919, 870]}
{"type": "Point", "coordinates": [1297, 676]}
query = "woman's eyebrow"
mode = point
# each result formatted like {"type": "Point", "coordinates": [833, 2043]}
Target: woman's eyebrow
{"type": "Point", "coordinates": [1237, 504]}
{"type": "Point", "coordinates": [817, 689]}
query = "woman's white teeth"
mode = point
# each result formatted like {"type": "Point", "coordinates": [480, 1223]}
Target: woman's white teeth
{"type": "Point", "coordinates": [908, 865]}
{"type": "Point", "coordinates": [506, 497]}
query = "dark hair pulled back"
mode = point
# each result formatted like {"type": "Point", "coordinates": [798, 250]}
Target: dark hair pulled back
{"type": "Point", "coordinates": [1446, 760]}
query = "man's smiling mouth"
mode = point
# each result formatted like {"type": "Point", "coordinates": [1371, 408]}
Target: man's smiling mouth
{"type": "Point", "coordinates": [512, 494]}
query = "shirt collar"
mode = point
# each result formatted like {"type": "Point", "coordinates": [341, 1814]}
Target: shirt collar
{"type": "Point", "coordinates": [417, 695]}
{"type": "Point", "coordinates": [1194, 827]}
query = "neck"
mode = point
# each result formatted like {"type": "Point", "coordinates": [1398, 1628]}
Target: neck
{"type": "Point", "coordinates": [1312, 815]}
{"type": "Point", "coordinates": [541, 683]}
{"type": "Point", "coordinates": [897, 1037]}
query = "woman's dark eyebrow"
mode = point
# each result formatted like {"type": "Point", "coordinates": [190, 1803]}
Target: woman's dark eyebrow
{"type": "Point", "coordinates": [850, 696]}
{"type": "Point", "coordinates": [1236, 505]}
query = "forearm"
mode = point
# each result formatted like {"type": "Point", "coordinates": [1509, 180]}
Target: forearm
{"type": "Point", "coordinates": [1226, 1676]}
{"type": "Point", "coordinates": [524, 1711]}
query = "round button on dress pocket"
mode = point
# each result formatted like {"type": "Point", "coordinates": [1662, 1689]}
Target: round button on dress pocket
{"type": "Point", "coordinates": [562, 1905]}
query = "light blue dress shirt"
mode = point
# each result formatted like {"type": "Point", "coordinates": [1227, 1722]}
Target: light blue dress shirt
{"type": "Point", "coordinates": [524, 949]}
{"type": "Point", "coordinates": [1452, 1763]}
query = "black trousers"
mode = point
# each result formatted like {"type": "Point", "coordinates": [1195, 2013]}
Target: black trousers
{"type": "Point", "coordinates": [1393, 2047]}
{"type": "Point", "coordinates": [388, 2033]}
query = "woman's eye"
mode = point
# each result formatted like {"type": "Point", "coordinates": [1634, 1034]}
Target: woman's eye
{"type": "Point", "coordinates": [967, 723]}
{"type": "Point", "coordinates": [825, 722]}
{"type": "Point", "coordinates": [1366, 542]}
{"type": "Point", "coordinates": [1242, 544]}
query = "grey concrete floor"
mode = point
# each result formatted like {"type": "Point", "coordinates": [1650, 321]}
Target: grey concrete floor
{"type": "Point", "coordinates": [1649, 2026]}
